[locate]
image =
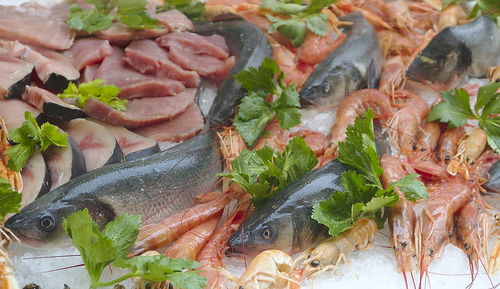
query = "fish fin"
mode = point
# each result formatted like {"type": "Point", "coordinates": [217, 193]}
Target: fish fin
{"type": "Point", "coordinates": [371, 76]}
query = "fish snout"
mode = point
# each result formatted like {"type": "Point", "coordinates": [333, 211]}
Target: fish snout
{"type": "Point", "coordinates": [236, 243]}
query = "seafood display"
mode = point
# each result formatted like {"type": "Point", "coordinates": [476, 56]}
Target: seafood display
{"type": "Point", "coordinates": [171, 140]}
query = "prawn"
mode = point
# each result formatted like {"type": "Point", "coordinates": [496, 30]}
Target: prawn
{"type": "Point", "coordinates": [434, 219]}
{"type": "Point", "coordinates": [473, 228]}
{"type": "Point", "coordinates": [393, 76]}
{"type": "Point", "coordinates": [153, 236]}
{"type": "Point", "coordinates": [448, 144]}
{"type": "Point", "coordinates": [401, 216]}
{"type": "Point", "coordinates": [327, 255]}
{"type": "Point", "coordinates": [494, 74]}
{"type": "Point", "coordinates": [352, 106]}
{"type": "Point", "coordinates": [405, 123]}
{"type": "Point", "coordinates": [468, 152]}
{"type": "Point", "coordinates": [270, 269]}
{"type": "Point", "coordinates": [450, 16]}
{"type": "Point", "coordinates": [400, 15]}
{"type": "Point", "coordinates": [13, 177]}
{"type": "Point", "coordinates": [427, 139]}
{"type": "Point", "coordinates": [393, 43]}
{"type": "Point", "coordinates": [190, 244]}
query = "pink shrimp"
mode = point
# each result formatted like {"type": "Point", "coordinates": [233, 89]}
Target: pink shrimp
{"type": "Point", "coordinates": [295, 71]}
{"type": "Point", "coordinates": [473, 230]}
{"type": "Point", "coordinates": [315, 140]}
{"type": "Point", "coordinates": [351, 107]}
{"type": "Point", "coordinates": [274, 136]}
{"type": "Point", "coordinates": [427, 139]}
{"type": "Point", "coordinates": [316, 47]}
{"type": "Point", "coordinates": [434, 219]}
{"type": "Point", "coordinates": [153, 236]}
{"type": "Point", "coordinates": [190, 244]}
{"type": "Point", "coordinates": [393, 75]}
{"type": "Point", "coordinates": [448, 144]}
{"type": "Point", "coordinates": [393, 43]}
{"type": "Point", "coordinates": [405, 123]}
{"type": "Point", "coordinates": [401, 215]}
{"type": "Point", "coordinates": [450, 16]}
{"type": "Point", "coordinates": [400, 15]}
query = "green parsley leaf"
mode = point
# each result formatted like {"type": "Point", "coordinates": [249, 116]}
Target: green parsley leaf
{"type": "Point", "coordinates": [293, 28]}
{"type": "Point", "coordinates": [88, 20]}
{"type": "Point", "coordinates": [412, 187]}
{"type": "Point", "coordinates": [110, 247]}
{"type": "Point", "coordinates": [95, 89]}
{"type": "Point", "coordinates": [133, 13]}
{"type": "Point", "coordinates": [10, 200]}
{"type": "Point", "coordinates": [317, 5]}
{"type": "Point", "coordinates": [486, 7]}
{"type": "Point", "coordinates": [317, 24]}
{"type": "Point", "coordinates": [282, 7]}
{"type": "Point", "coordinates": [262, 173]}
{"type": "Point", "coordinates": [28, 136]}
{"type": "Point", "coordinates": [254, 111]}
{"type": "Point", "coordinates": [455, 110]}
{"type": "Point", "coordinates": [193, 9]}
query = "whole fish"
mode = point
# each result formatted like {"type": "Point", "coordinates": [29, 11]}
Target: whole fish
{"type": "Point", "coordinates": [155, 186]}
{"type": "Point", "coordinates": [357, 63]}
{"type": "Point", "coordinates": [284, 222]}
{"type": "Point", "coordinates": [457, 51]}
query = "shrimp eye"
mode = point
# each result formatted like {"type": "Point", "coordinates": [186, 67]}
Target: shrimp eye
{"type": "Point", "coordinates": [47, 223]}
{"type": "Point", "coordinates": [315, 263]}
{"type": "Point", "coordinates": [267, 234]}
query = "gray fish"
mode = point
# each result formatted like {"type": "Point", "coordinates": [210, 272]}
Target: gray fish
{"type": "Point", "coordinates": [457, 51]}
{"type": "Point", "coordinates": [155, 186]}
{"type": "Point", "coordinates": [357, 63]}
{"type": "Point", "coordinates": [285, 221]}
{"type": "Point", "coordinates": [493, 183]}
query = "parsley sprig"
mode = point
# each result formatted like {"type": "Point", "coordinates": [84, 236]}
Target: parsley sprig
{"type": "Point", "coordinates": [193, 9]}
{"type": "Point", "coordinates": [254, 112]}
{"type": "Point", "coordinates": [132, 13]}
{"type": "Point", "coordinates": [364, 195]}
{"type": "Point", "coordinates": [31, 136]}
{"type": "Point", "coordinates": [297, 19]}
{"type": "Point", "coordinates": [262, 173]}
{"type": "Point", "coordinates": [483, 7]}
{"type": "Point", "coordinates": [94, 89]}
{"type": "Point", "coordinates": [455, 110]}
{"type": "Point", "coordinates": [10, 200]}
{"type": "Point", "coordinates": [111, 245]}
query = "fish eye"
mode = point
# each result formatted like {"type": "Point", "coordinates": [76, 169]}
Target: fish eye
{"type": "Point", "coordinates": [325, 87]}
{"type": "Point", "coordinates": [47, 223]}
{"type": "Point", "coordinates": [266, 233]}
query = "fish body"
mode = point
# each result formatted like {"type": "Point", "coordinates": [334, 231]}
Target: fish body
{"type": "Point", "coordinates": [285, 221]}
{"type": "Point", "coordinates": [155, 186]}
{"type": "Point", "coordinates": [357, 63]}
{"type": "Point", "coordinates": [457, 51]}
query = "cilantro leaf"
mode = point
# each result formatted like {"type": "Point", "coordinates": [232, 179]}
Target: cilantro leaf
{"type": "Point", "coordinates": [123, 232]}
{"type": "Point", "coordinates": [187, 280]}
{"type": "Point", "coordinates": [133, 13]}
{"type": "Point", "coordinates": [455, 109]}
{"type": "Point", "coordinates": [95, 89]}
{"type": "Point", "coordinates": [10, 200]}
{"type": "Point", "coordinates": [254, 111]}
{"type": "Point", "coordinates": [262, 173]}
{"type": "Point", "coordinates": [283, 8]}
{"type": "Point", "coordinates": [193, 9]}
{"type": "Point", "coordinates": [28, 136]}
{"type": "Point", "coordinates": [317, 24]}
{"type": "Point", "coordinates": [412, 187]}
{"type": "Point", "coordinates": [293, 28]}
{"type": "Point", "coordinates": [317, 5]}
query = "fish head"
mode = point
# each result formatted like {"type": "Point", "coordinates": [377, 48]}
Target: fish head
{"type": "Point", "coordinates": [255, 236]}
{"type": "Point", "coordinates": [444, 60]}
{"type": "Point", "coordinates": [329, 89]}
{"type": "Point", "coordinates": [40, 223]}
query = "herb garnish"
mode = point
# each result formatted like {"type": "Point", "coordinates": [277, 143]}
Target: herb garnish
{"type": "Point", "coordinates": [262, 173]}
{"type": "Point", "coordinates": [483, 7]}
{"type": "Point", "coordinates": [364, 195]}
{"type": "Point", "coordinates": [10, 200]}
{"type": "Point", "coordinates": [111, 245]}
{"type": "Point", "coordinates": [193, 9]}
{"type": "Point", "coordinates": [28, 137]}
{"type": "Point", "coordinates": [455, 110]}
{"type": "Point", "coordinates": [254, 112]}
{"type": "Point", "coordinates": [129, 12]}
{"type": "Point", "coordinates": [94, 89]}
{"type": "Point", "coordinates": [299, 19]}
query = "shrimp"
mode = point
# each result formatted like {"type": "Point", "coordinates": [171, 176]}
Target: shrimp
{"type": "Point", "coordinates": [393, 43]}
{"type": "Point", "coordinates": [400, 14]}
{"type": "Point", "coordinates": [448, 144]}
{"type": "Point", "coordinates": [295, 71]}
{"type": "Point", "coordinates": [352, 106]}
{"type": "Point", "coordinates": [315, 140]}
{"type": "Point", "coordinates": [210, 257]}
{"type": "Point", "coordinates": [434, 219]}
{"type": "Point", "coordinates": [473, 228]}
{"type": "Point", "coordinates": [274, 136]}
{"type": "Point", "coordinates": [327, 255]}
{"type": "Point", "coordinates": [13, 177]}
{"type": "Point", "coordinates": [494, 260]}
{"type": "Point", "coordinates": [405, 123]}
{"type": "Point", "coordinates": [231, 145]}
{"type": "Point", "coordinates": [190, 244]}
{"type": "Point", "coordinates": [7, 280]}
{"type": "Point", "coordinates": [450, 16]}
{"type": "Point", "coordinates": [270, 269]}
{"type": "Point", "coordinates": [494, 74]}
{"type": "Point", "coordinates": [401, 215]}
{"type": "Point", "coordinates": [468, 152]}
{"type": "Point", "coordinates": [153, 236]}
{"type": "Point", "coordinates": [393, 76]}
{"type": "Point", "coordinates": [427, 139]}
